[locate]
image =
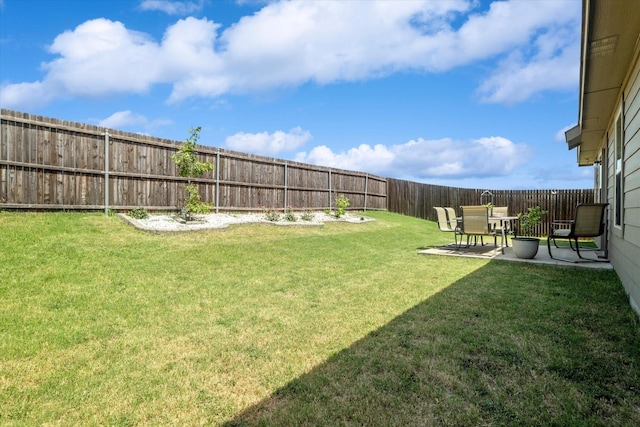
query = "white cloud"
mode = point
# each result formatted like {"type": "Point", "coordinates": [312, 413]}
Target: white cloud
{"type": "Point", "coordinates": [290, 43]}
{"type": "Point", "coordinates": [425, 159]}
{"type": "Point", "coordinates": [555, 65]}
{"type": "Point", "coordinates": [128, 119]}
{"type": "Point", "coordinates": [560, 136]}
{"type": "Point", "coordinates": [268, 144]}
{"type": "Point", "coordinates": [26, 95]}
{"type": "Point", "coordinates": [172, 7]}
{"type": "Point", "coordinates": [121, 119]}
{"type": "Point", "coordinates": [363, 158]}
{"type": "Point", "coordinates": [563, 174]}
{"type": "Point", "coordinates": [101, 57]}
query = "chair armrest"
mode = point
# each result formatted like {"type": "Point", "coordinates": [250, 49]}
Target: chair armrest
{"type": "Point", "coordinates": [561, 228]}
{"type": "Point", "coordinates": [562, 223]}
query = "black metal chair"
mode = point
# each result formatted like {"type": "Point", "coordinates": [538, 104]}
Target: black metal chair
{"type": "Point", "coordinates": [588, 222]}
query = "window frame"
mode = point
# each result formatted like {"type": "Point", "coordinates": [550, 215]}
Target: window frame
{"type": "Point", "coordinates": [618, 171]}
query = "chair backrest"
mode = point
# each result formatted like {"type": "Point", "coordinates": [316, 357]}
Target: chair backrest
{"type": "Point", "coordinates": [589, 220]}
{"type": "Point", "coordinates": [475, 219]}
{"type": "Point", "coordinates": [499, 211]}
{"type": "Point", "coordinates": [443, 224]}
{"type": "Point", "coordinates": [453, 220]}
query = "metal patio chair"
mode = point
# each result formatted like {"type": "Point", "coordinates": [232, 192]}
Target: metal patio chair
{"type": "Point", "coordinates": [453, 218]}
{"type": "Point", "coordinates": [444, 224]}
{"type": "Point", "coordinates": [588, 222]}
{"type": "Point", "coordinates": [475, 222]}
{"type": "Point", "coordinates": [500, 211]}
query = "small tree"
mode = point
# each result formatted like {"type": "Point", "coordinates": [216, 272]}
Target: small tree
{"type": "Point", "coordinates": [342, 203]}
{"type": "Point", "coordinates": [190, 167]}
{"type": "Point", "coordinates": [530, 219]}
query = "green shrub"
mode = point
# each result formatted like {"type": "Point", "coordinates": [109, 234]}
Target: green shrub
{"type": "Point", "coordinates": [342, 203]}
{"type": "Point", "coordinates": [529, 220]}
{"type": "Point", "coordinates": [194, 202]}
{"type": "Point", "coordinates": [289, 215]}
{"type": "Point", "coordinates": [138, 213]}
{"type": "Point", "coordinates": [271, 215]}
{"type": "Point", "coordinates": [307, 215]}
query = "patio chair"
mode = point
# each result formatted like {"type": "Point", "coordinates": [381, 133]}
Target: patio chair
{"type": "Point", "coordinates": [588, 222]}
{"type": "Point", "coordinates": [497, 224]}
{"type": "Point", "coordinates": [475, 222]}
{"type": "Point", "coordinates": [453, 218]}
{"type": "Point", "coordinates": [444, 223]}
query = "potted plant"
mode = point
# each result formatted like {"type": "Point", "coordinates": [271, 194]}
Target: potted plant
{"type": "Point", "coordinates": [525, 245]}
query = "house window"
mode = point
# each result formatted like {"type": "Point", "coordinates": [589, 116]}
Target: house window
{"type": "Point", "coordinates": [597, 173]}
{"type": "Point", "coordinates": [618, 207]}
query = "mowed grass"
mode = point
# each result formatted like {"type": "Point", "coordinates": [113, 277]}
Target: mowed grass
{"type": "Point", "coordinates": [101, 324]}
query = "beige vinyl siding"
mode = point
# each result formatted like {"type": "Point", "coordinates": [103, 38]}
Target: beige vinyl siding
{"type": "Point", "coordinates": [624, 244]}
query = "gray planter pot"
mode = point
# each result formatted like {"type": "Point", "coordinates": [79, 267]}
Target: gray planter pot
{"type": "Point", "coordinates": [525, 247]}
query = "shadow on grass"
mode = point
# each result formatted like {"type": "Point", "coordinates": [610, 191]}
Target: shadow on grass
{"type": "Point", "coordinates": [506, 345]}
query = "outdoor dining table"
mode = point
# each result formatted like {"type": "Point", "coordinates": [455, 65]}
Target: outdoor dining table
{"type": "Point", "coordinates": [503, 221]}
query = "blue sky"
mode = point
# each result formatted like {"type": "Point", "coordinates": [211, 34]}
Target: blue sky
{"type": "Point", "coordinates": [465, 93]}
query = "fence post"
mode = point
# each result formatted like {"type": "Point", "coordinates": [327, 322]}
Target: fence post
{"type": "Point", "coordinates": [6, 175]}
{"type": "Point", "coordinates": [106, 172]}
{"type": "Point", "coordinates": [285, 185]}
{"type": "Point", "coordinates": [366, 188]}
{"type": "Point", "coordinates": [329, 189]}
{"type": "Point", "coordinates": [217, 180]}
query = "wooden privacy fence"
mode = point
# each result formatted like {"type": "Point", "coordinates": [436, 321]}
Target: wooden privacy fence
{"type": "Point", "coordinates": [418, 200]}
{"type": "Point", "coordinates": [53, 164]}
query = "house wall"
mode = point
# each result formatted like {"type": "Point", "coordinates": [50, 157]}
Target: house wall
{"type": "Point", "coordinates": [624, 242]}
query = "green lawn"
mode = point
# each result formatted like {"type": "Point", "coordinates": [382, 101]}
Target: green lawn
{"type": "Point", "coordinates": [101, 324]}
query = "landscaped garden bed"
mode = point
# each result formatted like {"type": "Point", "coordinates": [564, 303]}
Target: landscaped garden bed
{"type": "Point", "coordinates": [174, 222]}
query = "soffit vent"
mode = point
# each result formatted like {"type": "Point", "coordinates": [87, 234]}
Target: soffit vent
{"type": "Point", "coordinates": [604, 46]}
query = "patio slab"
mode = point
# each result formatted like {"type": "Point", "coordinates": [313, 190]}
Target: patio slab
{"type": "Point", "coordinates": [487, 252]}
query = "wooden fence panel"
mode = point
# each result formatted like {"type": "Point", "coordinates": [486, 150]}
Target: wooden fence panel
{"type": "Point", "coordinates": [302, 177]}
{"type": "Point", "coordinates": [416, 199]}
{"type": "Point", "coordinates": [47, 163]}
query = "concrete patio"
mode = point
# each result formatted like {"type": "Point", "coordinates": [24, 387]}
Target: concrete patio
{"type": "Point", "coordinates": [487, 252]}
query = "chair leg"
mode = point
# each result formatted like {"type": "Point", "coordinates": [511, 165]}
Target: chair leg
{"type": "Point", "coordinates": [495, 243]}
{"type": "Point", "coordinates": [551, 255]}
{"type": "Point", "coordinates": [577, 250]}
